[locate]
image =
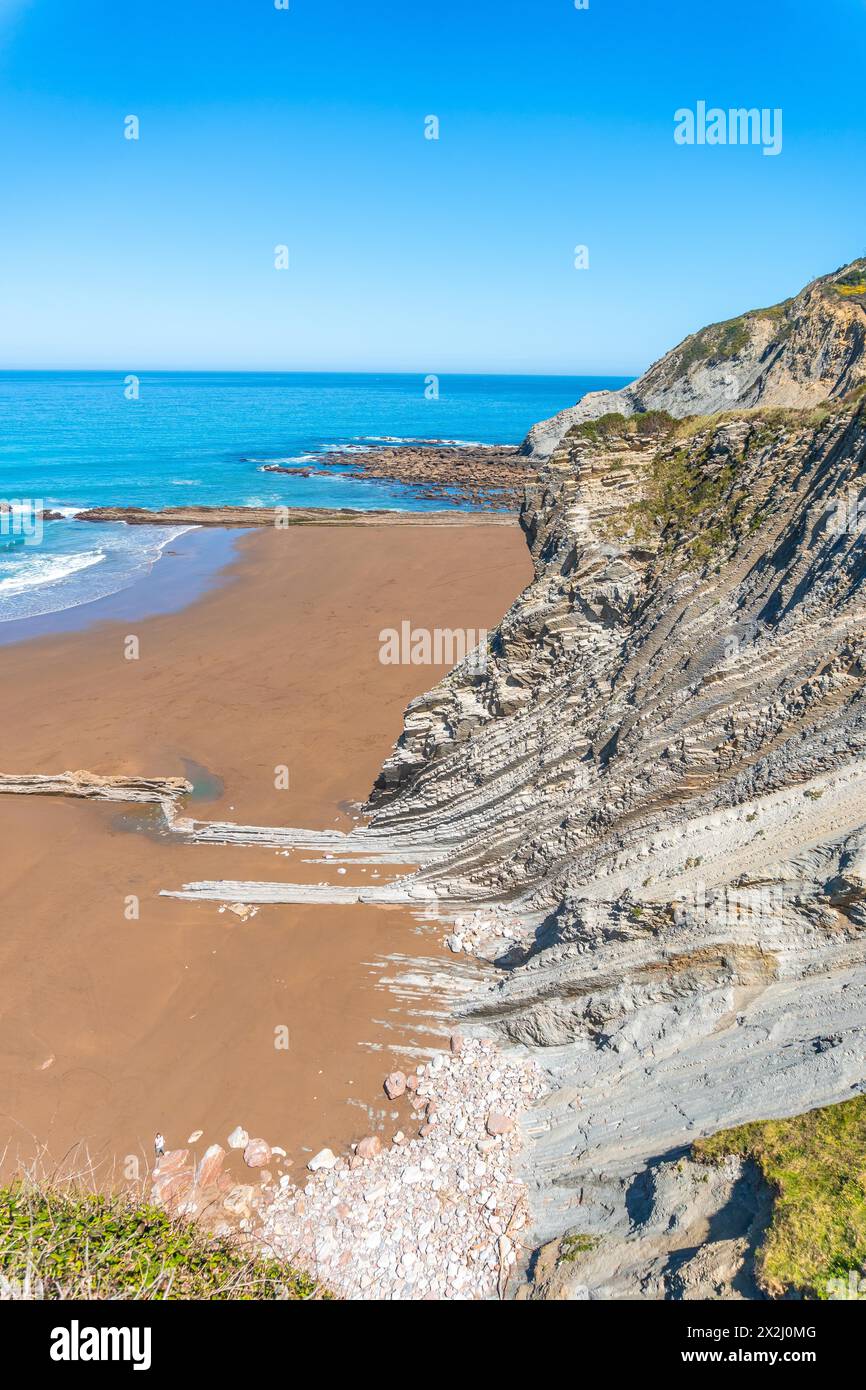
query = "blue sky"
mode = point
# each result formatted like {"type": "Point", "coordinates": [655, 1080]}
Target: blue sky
{"type": "Point", "coordinates": [306, 128]}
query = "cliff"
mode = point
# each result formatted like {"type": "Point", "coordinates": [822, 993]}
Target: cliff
{"type": "Point", "coordinates": [659, 773]}
{"type": "Point", "coordinates": [797, 353]}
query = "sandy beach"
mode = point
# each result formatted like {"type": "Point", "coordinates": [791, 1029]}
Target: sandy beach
{"type": "Point", "coordinates": [113, 1028]}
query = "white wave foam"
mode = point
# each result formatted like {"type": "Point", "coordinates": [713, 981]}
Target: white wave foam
{"type": "Point", "coordinates": [347, 448]}
{"type": "Point", "coordinates": [38, 571]}
{"type": "Point", "coordinates": [424, 439]}
{"type": "Point", "coordinates": [34, 584]}
{"type": "Point", "coordinates": [13, 508]}
{"type": "Point", "coordinates": [291, 458]}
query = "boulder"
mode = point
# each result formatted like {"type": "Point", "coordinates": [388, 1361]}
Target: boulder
{"type": "Point", "coordinates": [242, 910]}
{"type": "Point", "coordinates": [324, 1159]}
{"type": "Point", "coordinates": [257, 1153]}
{"type": "Point", "coordinates": [241, 1200]}
{"type": "Point", "coordinates": [173, 1190]}
{"type": "Point", "coordinates": [395, 1085]}
{"type": "Point", "coordinates": [171, 1162]}
{"type": "Point", "coordinates": [211, 1166]}
{"type": "Point", "coordinates": [369, 1147]}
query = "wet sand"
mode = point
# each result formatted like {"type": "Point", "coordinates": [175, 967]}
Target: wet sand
{"type": "Point", "coordinates": [111, 1028]}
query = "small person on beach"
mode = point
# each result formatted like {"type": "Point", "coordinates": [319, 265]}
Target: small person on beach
{"type": "Point", "coordinates": [159, 1146]}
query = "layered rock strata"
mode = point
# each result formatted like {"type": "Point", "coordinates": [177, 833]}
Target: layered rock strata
{"type": "Point", "coordinates": [659, 773]}
{"type": "Point", "coordinates": [167, 791]}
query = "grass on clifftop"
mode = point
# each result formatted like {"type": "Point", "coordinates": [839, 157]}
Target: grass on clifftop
{"type": "Point", "coordinates": [61, 1243]}
{"type": "Point", "coordinates": [719, 342]}
{"type": "Point", "coordinates": [816, 1165]}
{"type": "Point", "coordinates": [853, 282]}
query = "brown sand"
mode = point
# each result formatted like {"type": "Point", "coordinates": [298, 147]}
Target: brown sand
{"type": "Point", "coordinates": [112, 1029]}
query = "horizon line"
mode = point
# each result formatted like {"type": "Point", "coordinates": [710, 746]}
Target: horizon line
{"type": "Point", "coordinates": [313, 371]}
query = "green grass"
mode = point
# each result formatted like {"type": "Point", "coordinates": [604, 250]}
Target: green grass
{"type": "Point", "coordinates": [69, 1243]}
{"type": "Point", "coordinates": [678, 496]}
{"type": "Point", "coordinates": [718, 343]}
{"type": "Point", "coordinates": [852, 284]}
{"type": "Point", "coordinates": [571, 1247]}
{"type": "Point", "coordinates": [816, 1165]}
{"type": "Point", "coordinates": [692, 507]}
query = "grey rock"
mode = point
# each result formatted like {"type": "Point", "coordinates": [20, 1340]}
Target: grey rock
{"type": "Point", "coordinates": [797, 353]}
{"type": "Point", "coordinates": [660, 777]}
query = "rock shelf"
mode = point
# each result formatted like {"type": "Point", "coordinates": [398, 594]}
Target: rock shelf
{"type": "Point", "coordinates": [478, 477]}
{"type": "Point", "coordinates": [282, 517]}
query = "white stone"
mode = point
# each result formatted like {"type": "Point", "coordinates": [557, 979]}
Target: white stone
{"type": "Point", "coordinates": [325, 1158]}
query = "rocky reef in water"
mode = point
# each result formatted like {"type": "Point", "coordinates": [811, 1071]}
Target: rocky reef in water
{"type": "Point", "coordinates": [660, 772]}
{"type": "Point", "coordinates": [480, 476]}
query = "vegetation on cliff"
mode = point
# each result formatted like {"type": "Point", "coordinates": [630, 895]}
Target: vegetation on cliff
{"type": "Point", "coordinates": [851, 283]}
{"type": "Point", "coordinates": [715, 344]}
{"type": "Point", "coordinates": [703, 482]}
{"type": "Point", "coordinates": [804, 350]}
{"type": "Point", "coordinates": [60, 1242]}
{"type": "Point", "coordinates": [816, 1165]}
{"type": "Point", "coordinates": [684, 490]}
{"type": "Point", "coordinates": [642, 425]}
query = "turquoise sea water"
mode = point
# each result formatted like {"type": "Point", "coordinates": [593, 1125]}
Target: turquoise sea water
{"type": "Point", "coordinates": [70, 440]}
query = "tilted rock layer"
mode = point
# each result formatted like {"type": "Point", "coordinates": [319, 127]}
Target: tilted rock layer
{"type": "Point", "coordinates": [659, 767]}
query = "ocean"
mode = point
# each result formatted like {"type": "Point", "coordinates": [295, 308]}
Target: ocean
{"type": "Point", "coordinates": [72, 440]}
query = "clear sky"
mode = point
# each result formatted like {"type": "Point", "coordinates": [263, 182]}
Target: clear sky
{"type": "Point", "coordinates": [305, 127]}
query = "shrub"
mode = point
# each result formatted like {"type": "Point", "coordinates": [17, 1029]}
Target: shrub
{"type": "Point", "coordinates": [62, 1242]}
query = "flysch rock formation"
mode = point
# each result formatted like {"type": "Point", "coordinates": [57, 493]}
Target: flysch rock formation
{"type": "Point", "coordinates": [796, 353]}
{"type": "Point", "coordinates": [166, 791]}
{"type": "Point", "coordinates": [358, 845]}
{"type": "Point", "coordinates": [646, 799]}
{"type": "Point", "coordinates": [660, 772]}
